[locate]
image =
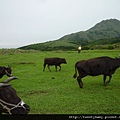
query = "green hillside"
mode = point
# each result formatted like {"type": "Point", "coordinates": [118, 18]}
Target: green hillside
{"type": "Point", "coordinates": [107, 32]}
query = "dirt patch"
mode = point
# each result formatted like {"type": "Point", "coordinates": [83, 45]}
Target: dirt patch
{"type": "Point", "coordinates": [37, 92]}
{"type": "Point", "coordinates": [26, 63]}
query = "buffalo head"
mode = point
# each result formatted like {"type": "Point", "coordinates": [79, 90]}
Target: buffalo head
{"type": "Point", "coordinates": [9, 101]}
{"type": "Point", "coordinates": [5, 71]}
{"type": "Point", "coordinates": [63, 60]}
{"type": "Point", "coordinates": [8, 71]}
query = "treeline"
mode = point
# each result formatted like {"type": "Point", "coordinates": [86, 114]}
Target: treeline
{"type": "Point", "coordinates": [47, 48]}
{"type": "Point", "coordinates": [113, 43]}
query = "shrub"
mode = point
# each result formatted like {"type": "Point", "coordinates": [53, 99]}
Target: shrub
{"type": "Point", "coordinates": [110, 47]}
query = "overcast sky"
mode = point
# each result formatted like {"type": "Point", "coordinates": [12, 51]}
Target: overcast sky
{"type": "Point", "coordinates": [24, 22]}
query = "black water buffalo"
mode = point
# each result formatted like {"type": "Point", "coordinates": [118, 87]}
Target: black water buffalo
{"type": "Point", "coordinates": [5, 71]}
{"type": "Point", "coordinates": [96, 66]}
{"type": "Point", "coordinates": [10, 103]}
{"type": "Point", "coordinates": [54, 61]}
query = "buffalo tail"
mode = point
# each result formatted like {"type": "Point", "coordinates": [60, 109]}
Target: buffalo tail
{"type": "Point", "coordinates": [75, 75]}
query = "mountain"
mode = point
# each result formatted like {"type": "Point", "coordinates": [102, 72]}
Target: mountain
{"type": "Point", "coordinates": [105, 32]}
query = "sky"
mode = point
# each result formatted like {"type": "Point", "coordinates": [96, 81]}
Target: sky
{"type": "Point", "coordinates": [25, 22]}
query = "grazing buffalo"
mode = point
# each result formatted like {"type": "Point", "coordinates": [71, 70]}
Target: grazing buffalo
{"type": "Point", "coordinates": [54, 61]}
{"type": "Point", "coordinates": [96, 66]}
{"type": "Point", "coordinates": [10, 103]}
{"type": "Point", "coordinates": [5, 71]}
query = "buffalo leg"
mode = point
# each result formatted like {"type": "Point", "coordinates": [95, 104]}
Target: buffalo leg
{"type": "Point", "coordinates": [49, 68]}
{"type": "Point", "coordinates": [44, 67]}
{"type": "Point", "coordinates": [110, 76]}
{"type": "Point", "coordinates": [56, 67]}
{"type": "Point", "coordinates": [80, 82]}
{"type": "Point", "coordinates": [104, 79]}
{"type": "Point", "coordinates": [60, 68]}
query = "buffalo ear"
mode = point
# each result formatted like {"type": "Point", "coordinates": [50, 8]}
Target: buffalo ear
{"type": "Point", "coordinates": [4, 85]}
{"type": "Point", "coordinates": [8, 66]}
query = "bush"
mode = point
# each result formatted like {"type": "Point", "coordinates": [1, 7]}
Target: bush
{"type": "Point", "coordinates": [85, 48]}
{"type": "Point", "coordinates": [110, 47]}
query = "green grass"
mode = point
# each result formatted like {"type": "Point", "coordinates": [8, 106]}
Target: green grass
{"type": "Point", "coordinates": [62, 94]}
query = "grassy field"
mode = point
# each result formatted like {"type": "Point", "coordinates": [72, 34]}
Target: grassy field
{"type": "Point", "coordinates": [62, 94]}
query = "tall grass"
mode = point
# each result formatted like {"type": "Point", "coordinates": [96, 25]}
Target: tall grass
{"type": "Point", "coordinates": [58, 92]}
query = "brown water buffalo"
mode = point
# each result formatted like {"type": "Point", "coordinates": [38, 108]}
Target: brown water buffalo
{"type": "Point", "coordinates": [10, 103]}
{"type": "Point", "coordinates": [5, 71]}
{"type": "Point", "coordinates": [54, 61]}
{"type": "Point", "coordinates": [105, 66]}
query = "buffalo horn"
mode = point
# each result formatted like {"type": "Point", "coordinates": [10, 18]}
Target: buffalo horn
{"type": "Point", "coordinates": [10, 78]}
{"type": "Point", "coordinates": [3, 84]}
{"type": "Point", "coordinates": [119, 55]}
{"type": "Point", "coordinates": [8, 73]}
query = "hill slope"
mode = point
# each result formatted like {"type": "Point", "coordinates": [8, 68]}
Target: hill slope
{"type": "Point", "coordinates": [105, 32]}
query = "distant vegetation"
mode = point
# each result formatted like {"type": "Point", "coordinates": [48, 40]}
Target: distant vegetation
{"type": "Point", "coordinates": [104, 35]}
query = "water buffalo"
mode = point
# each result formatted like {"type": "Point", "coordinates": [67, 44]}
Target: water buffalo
{"type": "Point", "coordinates": [10, 103]}
{"type": "Point", "coordinates": [54, 61]}
{"type": "Point", "coordinates": [96, 66]}
{"type": "Point", "coordinates": [5, 71]}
